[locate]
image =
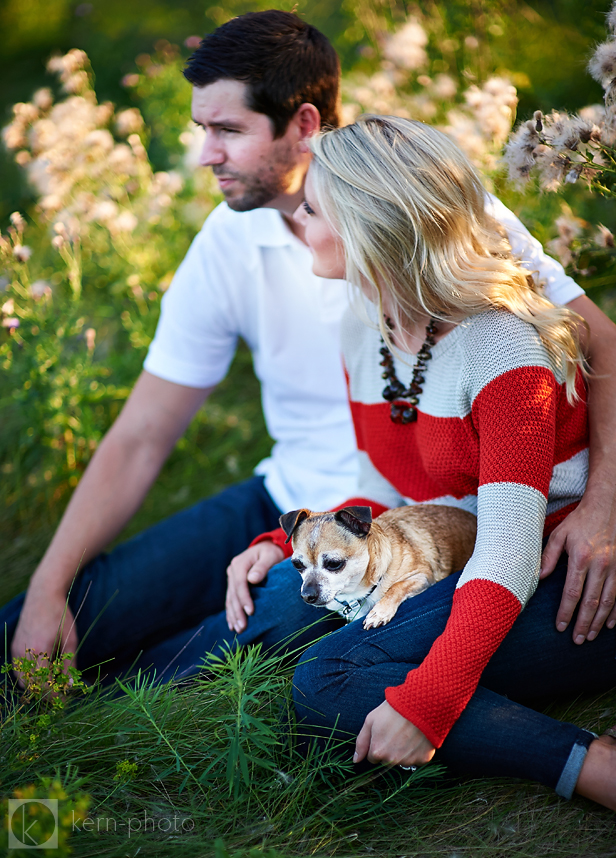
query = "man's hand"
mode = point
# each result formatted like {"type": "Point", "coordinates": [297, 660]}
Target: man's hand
{"type": "Point", "coordinates": [249, 567]}
{"type": "Point", "coordinates": [387, 737]}
{"type": "Point", "coordinates": [588, 535]}
{"type": "Point", "coordinates": [46, 625]}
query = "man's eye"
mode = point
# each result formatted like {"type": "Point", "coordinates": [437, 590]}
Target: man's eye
{"type": "Point", "coordinates": [334, 565]}
{"type": "Point", "coordinates": [308, 208]}
{"type": "Point", "coordinates": [298, 564]}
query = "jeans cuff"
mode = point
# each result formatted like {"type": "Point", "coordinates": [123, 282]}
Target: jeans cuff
{"type": "Point", "coordinates": [573, 766]}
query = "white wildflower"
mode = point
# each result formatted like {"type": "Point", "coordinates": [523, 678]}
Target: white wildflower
{"type": "Point", "coordinates": [51, 203]}
{"type": "Point", "coordinates": [194, 137]}
{"type": "Point", "coordinates": [8, 308]}
{"type": "Point", "coordinates": [77, 83]}
{"type": "Point", "coordinates": [594, 114]}
{"type": "Point", "coordinates": [22, 158]}
{"type": "Point", "coordinates": [26, 112]}
{"type": "Point", "coordinates": [493, 105]}
{"type": "Point", "coordinates": [519, 151]}
{"type": "Point", "coordinates": [22, 252]}
{"type": "Point", "coordinates": [121, 159]}
{"type": "Point", "coordinates": [465, 131]}
{"type": "Point", "coordinates": [611, 18]}
{"type": "Point", "coordinates": [90, 337]}
{"type": "Point", "coordinates": [58, 241]}
{"type": "Point", "coordinates": [569, 227]}
{"type": "Point", "coordinates": [445, 86]}
{"type": "Point", "coordinates": [100, 138]}
{"type": "Point", "coordinates": [406, 47]}
{"type": "Point", "coordinates": [125, 222]}
{"type": "Point", "coordinates": [137, 146]}
{"type": "Point", "coordinates": [43, 98]}
{"type": "Point", "coordinates": [14, 136]}
{"type": "Point", "coordinates": [471, 42]}
{"type": "Point", "coordinates": [40, 289]}
{"type": "Point", "coordinates": [348, 115]}
{"type": "Point", "coordinates": [602, 65]}
{"type": "Point", "coordinates": [130, 80]}
{"type": "Point", "coordinates": [103, 211]}
{"type": "Point", "coordinates": [18, 221]}
{"type": "Point", "coordinates": [128, 121]}
{"type": "Point", "coordinates": [11, 322]}
{"type": "Point", "coordinates": [604, 237]}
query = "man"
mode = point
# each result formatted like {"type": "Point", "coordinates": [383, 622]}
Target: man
{"type": "Point", "coordinates": [262, 85]}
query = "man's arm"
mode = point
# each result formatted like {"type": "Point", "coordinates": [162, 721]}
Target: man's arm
{"type": "Point", "coordinates": [588, 534]}
{"type": "Point", "coordinates": [111, 490]}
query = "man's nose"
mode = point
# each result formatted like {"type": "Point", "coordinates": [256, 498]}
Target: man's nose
{"type": "Point", "coordinates": [212, 152]}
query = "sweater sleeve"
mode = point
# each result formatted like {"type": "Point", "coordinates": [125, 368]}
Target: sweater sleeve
{"type": "Point", "coordinates": [513, 415]}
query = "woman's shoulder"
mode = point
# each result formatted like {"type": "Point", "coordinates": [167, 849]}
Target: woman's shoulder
{"type": "Point", "coordinates": [500, 332]}
{"type": "Point", "coordinates": [496, 342]}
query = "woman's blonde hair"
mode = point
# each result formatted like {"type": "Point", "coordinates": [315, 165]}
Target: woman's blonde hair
{"type": "Point", "coordinates": [410, 211]}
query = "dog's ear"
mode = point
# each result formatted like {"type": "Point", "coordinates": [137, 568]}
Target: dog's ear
{"type": "Point", "coordinates": [290, 520]}
{"type": "Point", "coordinates": [357, 519]}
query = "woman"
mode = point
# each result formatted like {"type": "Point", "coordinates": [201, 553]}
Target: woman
{"type": "Point", "coordinates": [483, 407]}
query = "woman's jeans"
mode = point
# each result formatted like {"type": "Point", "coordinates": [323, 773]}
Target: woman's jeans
{"type": "Point", "coordinates": [157, 602]}
{"type": "Point", "coordinates": [342, 678]}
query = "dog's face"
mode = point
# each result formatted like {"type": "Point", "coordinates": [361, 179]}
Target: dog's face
{"type": "Point", "coordinates": [330, 551]}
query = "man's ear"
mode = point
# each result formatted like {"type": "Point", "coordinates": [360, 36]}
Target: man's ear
{"type": "Point", "coordinates": [290, 520]}
{"type": "Point", "coordinates": [308, 121]}
{"type": "Point", "coordinates": [357, 519]}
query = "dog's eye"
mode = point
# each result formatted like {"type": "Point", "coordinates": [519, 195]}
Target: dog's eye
{"type": "Point", "coordinates": [334, 565]}
{"type": "Point", "coordinates": [298, 564]}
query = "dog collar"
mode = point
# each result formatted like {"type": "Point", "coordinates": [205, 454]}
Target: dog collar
{"type": "Point", "coordinates": [353, 606]}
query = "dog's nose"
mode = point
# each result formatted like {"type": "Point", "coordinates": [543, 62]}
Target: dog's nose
{"type": "Point", "coordinates": [310, 593]}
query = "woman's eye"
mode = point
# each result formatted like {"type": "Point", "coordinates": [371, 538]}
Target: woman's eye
{"type": "Point", "coordinates": [307, 208]}
{"type": "Point", "coordinates": [334, 565]}
{"type": "Point", "coordinates": [298, 565]}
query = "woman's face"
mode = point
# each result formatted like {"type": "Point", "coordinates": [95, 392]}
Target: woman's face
{"type": "Point", "coordinates": [324, 243]}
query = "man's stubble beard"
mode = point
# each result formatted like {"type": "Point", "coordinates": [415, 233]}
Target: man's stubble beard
{"type": "Point", "coordinates": [261, 189]}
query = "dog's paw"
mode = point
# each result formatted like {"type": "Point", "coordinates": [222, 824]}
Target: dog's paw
{"type": "Point", "coordinates": [380, 615]}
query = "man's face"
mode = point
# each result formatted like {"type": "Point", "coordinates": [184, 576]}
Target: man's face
{"type": "Point", "coordinates": [253, 169]}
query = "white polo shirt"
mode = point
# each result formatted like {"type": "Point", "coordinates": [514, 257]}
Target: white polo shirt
{"type": "Point", "coordinates": [247, 275]}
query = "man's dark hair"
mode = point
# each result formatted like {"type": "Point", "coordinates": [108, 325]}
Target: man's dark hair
{"type": "Point", "coordinates": [284, 61]}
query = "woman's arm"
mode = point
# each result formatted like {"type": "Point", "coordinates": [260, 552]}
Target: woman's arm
{"type": "Point", "coordinates": [588, 534]}
{"type": "Point", "coordinates": [514, 417]}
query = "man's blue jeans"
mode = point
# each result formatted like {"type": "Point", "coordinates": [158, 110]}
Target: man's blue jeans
{"type": "Point", "coordinates": [158, 602]}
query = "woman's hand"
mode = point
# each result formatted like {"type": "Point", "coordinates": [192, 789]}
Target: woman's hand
{"type": "Point", "coordinates": [249, 567]}
{"type": "Point", "coordinates": [387, 737]}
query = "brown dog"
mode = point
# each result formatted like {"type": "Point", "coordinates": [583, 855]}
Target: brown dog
{"type": "Point", "coordinates": [356, 566]}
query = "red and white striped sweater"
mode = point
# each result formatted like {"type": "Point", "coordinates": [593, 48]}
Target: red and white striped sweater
{"type": "Point", "coordinates": [495, 435]}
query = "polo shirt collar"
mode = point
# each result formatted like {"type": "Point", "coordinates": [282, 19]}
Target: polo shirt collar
{"type": "Point", "coordinates": [269, 229]}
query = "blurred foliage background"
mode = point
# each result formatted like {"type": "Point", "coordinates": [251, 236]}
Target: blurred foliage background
{"type": "Point", "coordinates": [543, 45]}
{"type": "Point", "coordinates": [103, 230]}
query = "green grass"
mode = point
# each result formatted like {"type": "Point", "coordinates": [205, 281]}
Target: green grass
{"type": "Point", "coordinates": [215, 752]}
{"type": "Point", "coordinates": [217, 761]}
{"type": "Point", "coordinates": [224, 443]}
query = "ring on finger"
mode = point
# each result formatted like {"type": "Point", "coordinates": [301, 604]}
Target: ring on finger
{"type": "Point", "coordinates": [408, 768]}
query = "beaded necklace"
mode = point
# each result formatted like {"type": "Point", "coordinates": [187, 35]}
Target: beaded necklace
{"type": "Point", "coordinates": [394, 389]}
